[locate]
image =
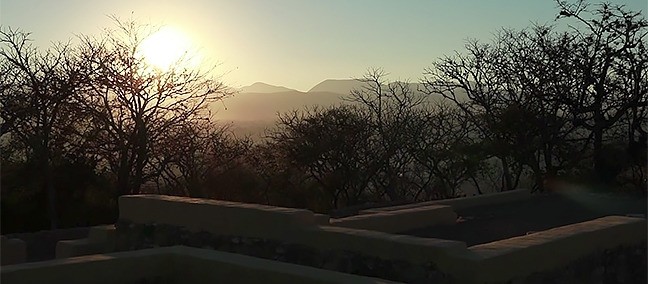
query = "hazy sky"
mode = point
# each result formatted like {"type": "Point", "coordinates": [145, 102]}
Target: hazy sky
{"type": "Point", "coordinates": [297, 43]}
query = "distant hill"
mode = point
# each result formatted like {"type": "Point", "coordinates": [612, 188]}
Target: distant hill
{"type": "Point", "coordinates": [255, 107]}
{"type": "Point", "coordinates": [337, 86]}
{"type": "Point", "coordinates": [265, 106]}
{"type": "Point", "coordinates": [344, 86]}
{"type": "Point", "coordinates": [264, 88]}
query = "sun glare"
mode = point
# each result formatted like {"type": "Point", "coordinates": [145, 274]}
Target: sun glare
{"type": "Point", "coordinates": [167, 47]}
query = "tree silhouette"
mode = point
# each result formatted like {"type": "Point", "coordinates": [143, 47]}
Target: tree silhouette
{"type": "Point", "coordinates": [133, 105]}
{"type": "Point", "coordinates": [198, 154]}
{"type": "Point", "coordinates": [330, 145]}
{"type": "Point", "coordinates": [612, 63]}
{"type": "Point", "coordinates": [36, 101]}
{"type": "Point", "coordinates": [392, 108]}
{"type": "Point", "coordinates": [547, 101]}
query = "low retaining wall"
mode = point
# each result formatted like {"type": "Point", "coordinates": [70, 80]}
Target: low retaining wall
{"type": "Point", "coordinates": [623, 264]}
{"type": "Point", "coordinates": [41, 245]}
{"type": "Point", "coordinates": [367, 253]}
{"type": "Point", "coordinates": [172, 265]}
{"type": "Point", "coordinates": [101, 239]}
{"type": "Point", "coordinates": [13, 251]}
{"type": "Point", "coordinates": [463, 202]}
{"type": "Point", "coordinates": [554, 251]}
{"type": "Point", "coordinates": [291, 235]}
{"type": "Point", "coordinates": [268, 233]}
{"type": "Point", "coordinates": [400, 220]}
{"type": "Point", "coordinates": [223, 217]}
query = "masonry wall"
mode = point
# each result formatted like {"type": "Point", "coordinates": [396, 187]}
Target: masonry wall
{"type": "Point", "coordinates": [360, 252]}
{"type": "Point", "coordinates": [603, 243]}
{"type": "Point", "coordinates": [297, 236]}
{"type": "Point", "coordinates": [462, 202]}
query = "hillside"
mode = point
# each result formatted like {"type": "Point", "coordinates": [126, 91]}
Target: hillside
{"type": "Point", "coordinates": [255, 107]}
{"type": "Point", "coordinates": [265, 106]}
{"type": "Point", "coordinates": [338, 86]}
{"type": "Point", "coordinates": [260, 87]}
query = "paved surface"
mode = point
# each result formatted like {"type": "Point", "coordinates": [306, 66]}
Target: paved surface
{"type": "Point", "coordinates": [496, 222]}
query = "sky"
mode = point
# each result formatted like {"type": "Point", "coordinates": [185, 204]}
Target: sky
{"type": "Point", "coordinates": [296, 43]}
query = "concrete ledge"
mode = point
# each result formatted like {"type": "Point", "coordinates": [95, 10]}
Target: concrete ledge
{"type": "Point", "coordinates": [72, 248]}
{"type": "Point", "coordinates": [105, 235]}
{"type": "Point", "coordinates": [442, 253]}
{"type": "Point", "coordinates": [12, 251]}
{"type": "Point", "coordinates": [101, 239]}
{"type": "Point", "coordinates": [214, 216]}
{"type": "Point", "coordinates": [400, 220]}
{"type": "Point", "coordinates": [463, 202]}
{"type": "Point", "coordinates": [172, 265]}
{"type": "Point", "coordinates": [518, 257]}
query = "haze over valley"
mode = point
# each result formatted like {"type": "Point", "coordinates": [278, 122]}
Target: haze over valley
{"type": "Point", "coordinates": [254, 108]}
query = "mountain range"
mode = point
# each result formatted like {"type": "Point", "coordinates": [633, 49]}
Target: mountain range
{"type": "Point", "coordinates": [262, 102]}
{"type": "Point", "coordinates": [336, 86]}
{"type": "Point", "coordinates": [260, 87]}
{"type": "Point", "coordinates": [254, 108]}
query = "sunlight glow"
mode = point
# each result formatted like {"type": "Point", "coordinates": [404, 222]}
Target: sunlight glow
{"type": "Point", "coordinates": [167, 47]}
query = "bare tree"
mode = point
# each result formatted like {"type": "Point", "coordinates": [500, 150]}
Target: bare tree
{"type": "Point", "coordinates": [195, 152]}
{"type": "Point", "coordinates": [547, 100]}
{"type": "Point", "coordinates": [35, 104]}
{"type": "Point", "coordinates": [478, 75]}
{"type": "Point", "coordinates": [445, 152]}
{"type": "Point", "coordinates": [392, 108]}
{"type": "Point", "coordinates": [134, 105]}
{"type": "Point", "coordinates": [612, 62]}
{"type": "Point", "coordinates": [330, 145]}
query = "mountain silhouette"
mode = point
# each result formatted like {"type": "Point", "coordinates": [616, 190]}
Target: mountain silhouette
{"type": "Point", "coordinates": [337, 86]}
{"type": "Point", "coordinates": [265, 106]}
{"type": "Point", "coordinates": [344, 86]}
{"type": "Point", "coordinates": [255, 107]}
{"type": "Point", "coordinates": [260, 87]}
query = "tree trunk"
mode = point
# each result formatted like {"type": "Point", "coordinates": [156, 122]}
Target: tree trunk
{"type": "Point", "coordinates": [599, 163]}
{"type": "Point", "coordinates": [141, 150]}
{"type": "Point", "coordinates": [123, 174]}
{"type": "Point", "coordinates": [48, 186]}
{"type": "Point", "coordinates": [51, 191]}
{"type": "Point", "coordinates": [506, 174]}
{"type": "Point", "coordinates": [391, 188]}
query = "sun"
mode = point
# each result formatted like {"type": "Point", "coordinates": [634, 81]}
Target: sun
{"type": "Point", "coordinates": [168, 47]}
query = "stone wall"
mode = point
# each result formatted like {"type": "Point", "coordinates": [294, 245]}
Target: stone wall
{"type": "Point", "coordinates": [222, 217]}
{"type": "Point", "coordinates": [12, 251]}
{"type": "Point", "coordinates": [297, 236]}
{"type": "Point", "coordinates": [132, 236]}
{"type": "Point", "coordinates": [41, 245]}
{"type": "Point", "coordinates": [555, 249]}
{"type": "Point", "coordinates": [462, 202]}
{"type": "Point", "coordinates": [400, 220]}
{"type": "Point", "coordinates": [101, 239]}
{"type": "Point", "coordinates": [622, 264]}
